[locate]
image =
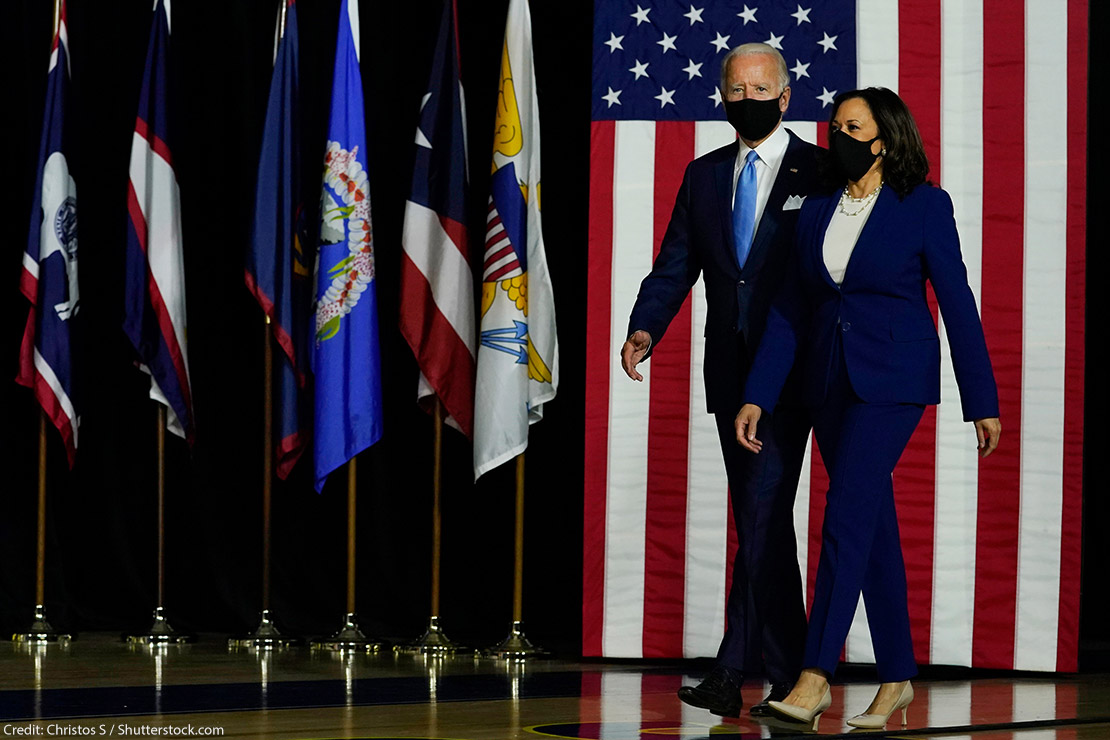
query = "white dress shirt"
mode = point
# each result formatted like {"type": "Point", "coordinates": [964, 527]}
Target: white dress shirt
{"type": "Point", "coordinates": [771, 151]}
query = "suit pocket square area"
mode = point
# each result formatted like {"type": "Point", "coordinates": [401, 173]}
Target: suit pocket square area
{"type": "Point", "coordinates": [793, 202]}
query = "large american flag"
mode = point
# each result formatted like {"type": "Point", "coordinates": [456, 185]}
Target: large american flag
{"type": "Point", "coordinates": [992, 549]}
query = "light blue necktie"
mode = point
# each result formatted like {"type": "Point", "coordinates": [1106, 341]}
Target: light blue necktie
{"type": "Point", "coordinates": [743, 209]}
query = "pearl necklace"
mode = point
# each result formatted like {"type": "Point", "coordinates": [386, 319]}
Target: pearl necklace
{"type": "Point", "coordinates": [863, 203]}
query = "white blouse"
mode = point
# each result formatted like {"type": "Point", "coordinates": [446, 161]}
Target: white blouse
{"type": "Point", "coordinates": [842, 234]}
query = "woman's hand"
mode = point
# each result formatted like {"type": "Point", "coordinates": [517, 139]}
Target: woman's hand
{"type": "Point", "coordinates": [987, 432]}
{"type": "Point", "coordinates": [746, 422]}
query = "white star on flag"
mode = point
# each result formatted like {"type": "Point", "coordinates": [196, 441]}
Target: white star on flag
{"type": "Point", "coordinates": [716, 97]}
{"type": "Point", "coordinates": [827, 42]}
{"type": "Point", "coordinates": [802, 15]}
{"type": "Point", "coordinates": [799, 69]}
{"type": "Point", "coordinates": [721, 42]}
{"type": "Point", "coordinates": [614, 96]}
{"type": "Point", "coordinates": [775, 41]}
{"type": "Point", "coordinates": [826, 97]}
{"type": "Point", "coordinates": [664, 97]}
{"type": "Point", "coordinates": [667, 42]}
{"type": "Point", "coordinates": [641, 15]}
{"type": "Point", "coordinates": [614, 42]}
{"type": "Point", "coordinates": [694, 70]}
{"type": "Point", "coordinates": [640, 70]}
{"type": "Point", "coordinates": [748, 14]}
{"type": "Point", "coordinates": [694, 15]}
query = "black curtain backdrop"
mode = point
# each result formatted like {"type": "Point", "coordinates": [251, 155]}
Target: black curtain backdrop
{"type": "Point", "coordinates": [101, 536]}
{"type": "Point", "coordinates": [101, 525]}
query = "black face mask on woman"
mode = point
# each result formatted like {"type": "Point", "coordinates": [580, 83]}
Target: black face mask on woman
{"type": "Point", "coordinates": [852, 156]}
{"type": "Point", "coordinates": [753, 119]}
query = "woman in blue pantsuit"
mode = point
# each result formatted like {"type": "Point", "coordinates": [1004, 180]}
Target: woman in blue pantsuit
{"type": "Point", "coordinates": [854, 314]}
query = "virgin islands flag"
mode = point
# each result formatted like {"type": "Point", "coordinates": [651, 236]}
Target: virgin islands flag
{"type": "Point", "coordinates": [518, 355]}
{"type": "Point", "coordinates": [345, 358]}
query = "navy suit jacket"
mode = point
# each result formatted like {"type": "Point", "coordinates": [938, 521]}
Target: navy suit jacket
{"type": "Point", "coordinates": [699, 241]}
{"type": "Point", "coordinates": [880, 310]}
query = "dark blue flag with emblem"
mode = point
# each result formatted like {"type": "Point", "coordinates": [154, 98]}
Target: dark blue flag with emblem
{"type": "Point", "coordinates": [276, 272]}
{"type": "Point", "coordinates": [49, 276]}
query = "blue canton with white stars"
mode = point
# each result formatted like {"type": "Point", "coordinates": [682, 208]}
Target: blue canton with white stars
{"type": "Point", "coordinates": [660, 60]}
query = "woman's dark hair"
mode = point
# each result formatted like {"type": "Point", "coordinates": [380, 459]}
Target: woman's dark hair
{"type": "Point", "coordinates": [905, 165]}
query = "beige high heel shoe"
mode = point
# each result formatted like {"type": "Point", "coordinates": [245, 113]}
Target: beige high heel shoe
{"type": "Point", "coordinates": [811, 717]}
{"type": "Point", "coordinates": [877, 721]}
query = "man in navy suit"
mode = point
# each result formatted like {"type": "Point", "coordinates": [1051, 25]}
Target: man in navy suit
{"type": "Point", "coordinates": [733, 223]}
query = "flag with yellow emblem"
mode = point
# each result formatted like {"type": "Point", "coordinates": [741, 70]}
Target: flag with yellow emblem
{"type": "Point", "coordinates": [518, 354]}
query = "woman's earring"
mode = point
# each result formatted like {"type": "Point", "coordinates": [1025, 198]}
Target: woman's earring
{"type": "Point", "coordinates": [883, 152]}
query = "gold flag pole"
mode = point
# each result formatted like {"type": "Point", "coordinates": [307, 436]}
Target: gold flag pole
{"type": "Point", "coordinates": [267, 634]}
{"type": "Point", "coordinates": [160, 632]}
{"type": "Point", "coordinates": [516, 646]}
{"type": "Point", "coordinates": [434, 641]}
{"type": "Point", "coordinates": [350, 637]}
{"type": "Point", "coordinates": [41, 633]}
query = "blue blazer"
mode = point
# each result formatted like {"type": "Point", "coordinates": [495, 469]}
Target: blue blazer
{"type": "Point", "coordinates": [880, 311]}
{"type": "Point", "coordinates": [699, 241]}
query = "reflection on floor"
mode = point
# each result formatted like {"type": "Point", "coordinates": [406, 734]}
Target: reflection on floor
{"type": "Point", "coordinates": [98, 686]}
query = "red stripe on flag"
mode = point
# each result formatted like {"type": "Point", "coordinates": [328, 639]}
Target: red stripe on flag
{"type": "Point", "coordinates": [158, 146]}
{"type": "Point", "coordinates": [498, 255]}
{"type": "Point", "coordinates": [919, 75]}
{"type": "Point", "coordinates": [999, 497]}
{"type": "Point", "coordinates": [1067, 646]}
{"type": "Point", "coordinates": [442, 355]}
{"type": "Point", "coordinates": [818, 488]}
{"type": "Point", "coordinates": [599, 362]}
{"type": "Point", "coordinates": [668, 427]}
{"type": "Point", "coordinates": [823, 134]}
{"type": "Point", "coordinates": [30, 376]}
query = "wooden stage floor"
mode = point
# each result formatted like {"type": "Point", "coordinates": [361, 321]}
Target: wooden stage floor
{"type": "Point", "coordinates": [101, 687]}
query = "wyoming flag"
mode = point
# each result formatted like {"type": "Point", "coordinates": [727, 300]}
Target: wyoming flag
{"type": "Point", "coordinates": [518, 354]}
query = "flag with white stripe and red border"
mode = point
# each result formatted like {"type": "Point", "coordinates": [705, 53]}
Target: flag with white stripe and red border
{"type": "Point", "coordinates": [49, 276]}
{"type": "Point", "coordinates": [992, 549]}
{"type": "Point", "coordinates": [154, 289]}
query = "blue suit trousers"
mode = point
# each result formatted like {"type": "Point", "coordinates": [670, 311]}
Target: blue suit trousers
{"type": "Point", "coordinates": [861, 551]}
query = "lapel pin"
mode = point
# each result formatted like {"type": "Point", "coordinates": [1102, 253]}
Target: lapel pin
{"type": "Point", "coordinates": [793, 169]}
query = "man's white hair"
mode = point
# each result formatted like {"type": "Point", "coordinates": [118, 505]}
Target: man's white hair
{"type": "Point", "coordinates": [757, 48]}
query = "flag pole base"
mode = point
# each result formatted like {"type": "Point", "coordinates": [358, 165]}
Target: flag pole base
{"type": "Point", "coordinates": [265, 637]}
{"type": "Point", "coordinates": [433, 642]}
{"type": "Point", "coordinates": [515, 647]}
{"type": "Point", "coordinates": [160, 633]}
{"type": "Point", "coordinates": [348, 639]}
{"type": "Point", "coordinates": [41, 633]}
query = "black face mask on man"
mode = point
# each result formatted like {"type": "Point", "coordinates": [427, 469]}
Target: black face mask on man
{"type": "Point", "coordinates": [852, 156]}
{"type": "Point", "coordinates": [753, 119]}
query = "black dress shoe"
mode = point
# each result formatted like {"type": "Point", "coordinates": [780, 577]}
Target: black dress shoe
{"type": "Point", "coordinates": [719, 692]}
{"type": "Point", "coordinates": [778, 693]}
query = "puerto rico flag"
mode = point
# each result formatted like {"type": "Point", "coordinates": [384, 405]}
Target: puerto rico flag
{"type": "Point", "coordinates": [155, 271]}
{"type": "Point", "coordinates": [437, 282]}
{"type": "Point", "coordinates": [49, 277]}
{"type": "Point", "coordinates": [992, 549]}
{"type": "Point", "coordinates": [277, 272]}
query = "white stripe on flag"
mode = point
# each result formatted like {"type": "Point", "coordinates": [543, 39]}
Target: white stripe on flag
{"type": "Point", "coordinates": [443, 266]}
{"type": "Point", "coordinates": [31, 266]}
{"type": "Point", "coordinates": [156, 189]}
{"type": "Point", "coordinates": [858, 646]}
{"type": "Point", "coordinates": [806, 130]}
{"type": "Point", "coordinates": [626, 510]}
{"type": "Point", "coordinates": [801, 514]}
{"type": "Point", "coordinates": [1045, 288]}
{"type": "Point", "coordinates": [707, 484]}
{"type": "Point", "coordinates": [877, 44]}
{"type": "Point", "coordinates": [957, 467]}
